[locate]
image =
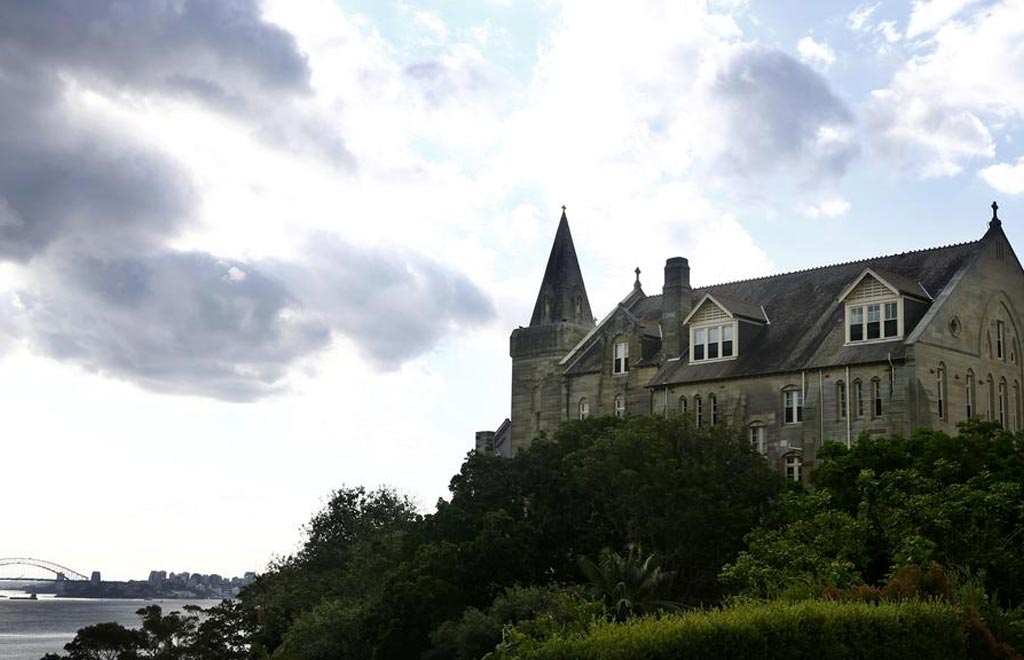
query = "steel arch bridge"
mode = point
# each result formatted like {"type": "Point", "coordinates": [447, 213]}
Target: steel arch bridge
{"type": "Point", "coordinates": [60, 573]}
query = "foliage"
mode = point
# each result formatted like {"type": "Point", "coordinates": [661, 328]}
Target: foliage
{"type": "Point", "coordinates": [535, 612]}
{"type": "Point", "coordinates": [628, 585]}
{"type": "Point", "coordinates": [806, 629]}
{"type": "Point", "coordinates": [218, 633]}
{"type": "Point", "coordinates": [892, 502]}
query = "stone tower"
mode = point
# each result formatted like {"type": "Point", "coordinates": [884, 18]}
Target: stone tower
{"type": "Point", "coordinates": [561, 318]}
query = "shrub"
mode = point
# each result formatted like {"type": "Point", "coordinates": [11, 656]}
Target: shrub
{"type": "Point", "coordinates": [810, 629]}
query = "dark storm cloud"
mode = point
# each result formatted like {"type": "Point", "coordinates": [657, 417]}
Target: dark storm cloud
{"type": "Point", "coordinates": [394, 305]}
{"type": "Point", "coordinates": [185, 323]}
{"type": "Point", "coordinates": [779, 113]}
{"type": "Point", "coordinates": [219, 48]}
{"type": "Point", "coordinates": [62, 176]}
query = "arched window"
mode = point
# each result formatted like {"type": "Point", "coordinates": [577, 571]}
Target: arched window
{"type": "Point", "coordinates": [840, 400]}
{"type": "Point", "coordinates": [620, 405]}
{"type": "Point", "coordinates": [858, 398]}
{"type": "Point", "coordinates": [759, 438]}
{"type": "Point", "coordinates": [1003, 406]}
{"type": "Point", "coordinates": [1016, 406]}
{"type": "Point", "coordinates": [713, 402]}
{"type": "Point", "coordinates": [1000, 340]}
{"type": "Point", "coordinates": [794, 467]}
{"type": "Point", "coordinates": [792, 405]}
{"type": "Point", "coordinates": [969, 393]}
{"type": "Point", "coordinates": [991, 399]}
{"type": "Point", "coordinates": [940, 387]}
{"type": "Point", "coordinates": [683, 408]}
{"type": "Point", "coordinates": [698, 410]}
{"type": "Point", "coordinates": [876, 398]}
{"type": "Point", "coordinates": [583, 409]}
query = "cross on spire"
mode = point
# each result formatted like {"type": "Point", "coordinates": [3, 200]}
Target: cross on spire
{"type": "Point", "coordinates": [995, 221]}
{"type": "Point", "coordinates": [636, 284]}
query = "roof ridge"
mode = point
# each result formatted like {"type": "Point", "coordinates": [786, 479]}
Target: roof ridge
{"type": "Point", "coordinates": [839, 263]}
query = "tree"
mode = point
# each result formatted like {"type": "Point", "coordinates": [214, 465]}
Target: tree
{"type": "Point", "coordinates": [627, 585]}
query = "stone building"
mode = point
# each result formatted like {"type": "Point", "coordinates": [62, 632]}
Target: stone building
{"type": "Point", "coordinates": [878, 346]}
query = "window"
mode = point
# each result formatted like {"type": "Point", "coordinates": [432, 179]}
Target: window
{"type": "Point", "coordinates": [1016, 406]}
{"type": "Point", "coordinates": [793, 468]}
{"type": "Point", "coordinates": [620, 406]}
{"type": "Point", "coordinates": [793, 405]}
{"type": "Point", "coordinates": [969, 393]}
{"type": "Point", "coordinates": [713, 400]}
{"type": "Point", "coordinates": [698, 409]}
{"type": "Point", "coordinates": [858, 398]}
{"type": "Point", "coordinates": [620, 364]}
{"type": "Point", "coordinates": [682, 405]}
{"type": "Point", "coordinates": [876, 398]}
{"type": "Point", "coordinates": [713, 342]}
{"type": "Point", "coordinates": [759, 439]}
{"type": "Point", "coordinates": [584, 409]}
{"type": "Point", "coordinates": [840, 400]}
{"type": "Point", "coordinates": [1000, 340]}
{"type": "Point", "coordinates": [873, 321]}
{"type": "Point", "coordinates": [991, 399]}
{"type": "Point", "coordinates": [940, 387]}
{"type": "Point", "coordinates": [1003, 407]}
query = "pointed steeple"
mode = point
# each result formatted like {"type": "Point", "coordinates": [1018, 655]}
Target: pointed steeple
{"type": "Point", "coordinates": [562, 296]}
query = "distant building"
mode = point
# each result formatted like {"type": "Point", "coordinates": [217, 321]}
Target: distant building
{"type": "Point", "coordinates": [882, 345]}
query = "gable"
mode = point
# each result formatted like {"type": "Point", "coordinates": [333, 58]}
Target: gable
{"type": "Point", "coordinates": [870, 288]}
{"type": "Point", "coordinates": [708, 312]}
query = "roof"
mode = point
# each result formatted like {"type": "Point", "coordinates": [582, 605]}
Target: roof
{"type": "Point", "coordinates": [562, 284]}
{"type": "Point", "coordinates": [736, 308]}
{"type": "Point", "coordinates": [806, 315]}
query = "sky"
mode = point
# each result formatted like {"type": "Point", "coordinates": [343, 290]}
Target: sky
{"type": "Point", "coordinates": [251, 252]}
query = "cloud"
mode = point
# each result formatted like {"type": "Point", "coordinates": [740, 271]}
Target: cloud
{"type": "Point", "coordinates": [65, 177]}
{"type": "Point", "coordinates": [393, 304]}
{"type": "Point", "coordinates": [776, 113]}
{"type": "Point", "coordinates": [929, 15]}
{"type": "Point", "coordinates": [182, 323]}
{"type": "Point", "coordinates": [218, 49]}
{"type": "Point", "coordinates": [939, 109]}
{"type": "Point", "coordinates": [829, 208]}
{"type": "Point", "coordinates": [1005, 178]}
{"type": "Point", "coordinates": [858, 18]}
{"type": "Point", "coordinates": [814, 52]}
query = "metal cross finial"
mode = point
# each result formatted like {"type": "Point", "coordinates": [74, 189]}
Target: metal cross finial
{"type": "Point", "coordinates": [995, 207]}
{"type": "Point", "coordinates": [563, 208]}
{"type": "Point", "coordinates": [637, 271]}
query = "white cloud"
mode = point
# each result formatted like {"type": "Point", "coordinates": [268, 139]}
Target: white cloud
{"type": "Point", "coordinates": [1005, 178]}
{"type": "Point", "coordinates": [939, 109]}
{"type": "Point", "coordinates": [888, 30]}
{"type": "Point", "coordinates": [858, 18]}
{"type": "Point", "coordinates": [929, 15]}
{"type": "Point", "coordinates": [815, 52]}
{"type": "Point", "coordinates": [832, 207]}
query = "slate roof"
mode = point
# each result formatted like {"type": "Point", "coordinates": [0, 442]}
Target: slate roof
{"type": "Point", "coordinates": [739, 308]}
{"type": "Point", "coordinates": [806, 317]}
{"type": "Point", "coordinates": [562, 282]}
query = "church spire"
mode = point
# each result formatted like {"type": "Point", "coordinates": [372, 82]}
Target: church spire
{"type": "Point", "coordinates": [562, 296]}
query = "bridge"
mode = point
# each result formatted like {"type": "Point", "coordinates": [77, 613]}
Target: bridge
{"type": "Point", "coordinates": [60, 573]}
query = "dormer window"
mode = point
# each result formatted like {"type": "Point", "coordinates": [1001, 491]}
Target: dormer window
{"type": "Point", "coordinates": [714, 326]}
{"type": "Point", "coordinates": [874, 304]}
{"type": "Point", "coordinates": [713, 342]}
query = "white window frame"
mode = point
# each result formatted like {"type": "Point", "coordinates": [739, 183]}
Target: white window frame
{"type": "Point", "coordinates": [864, 307]}
{"type": "Point", "coordinates": [620, 405]}
{"type": "Point", "coordinates": [721, 328]}
{"type": "Point", "coordinates": [620, 358]}
{"type": "Point", "coordinates": [792, 399]}
{"type": "Point", "coordinates": [842, 406]}
{"type": "Point", "coordinates": [876, 398]}
{"type": "Point", "coordinates": [759, 438]}
{"type": "Point", "coordinates": [583, 408]}
{"type": "Point", "coordinates": [794, 465]}
{"type": "Point", "coordinates": [969, 406]}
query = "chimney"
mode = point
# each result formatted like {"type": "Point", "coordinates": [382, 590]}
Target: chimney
{"type": "Point", "coordinates": [676, 302]}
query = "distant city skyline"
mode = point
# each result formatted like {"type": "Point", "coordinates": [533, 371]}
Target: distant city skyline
{"type": "Point", "coordinates": [254, 251]}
